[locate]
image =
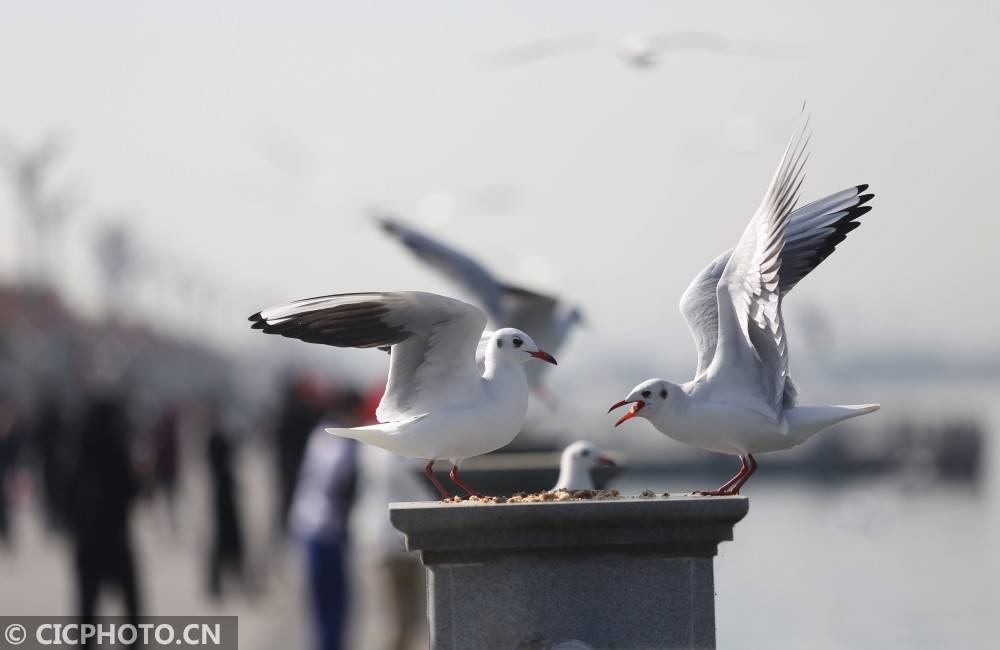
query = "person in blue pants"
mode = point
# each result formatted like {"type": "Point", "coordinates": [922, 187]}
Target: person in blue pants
{"type": "Point", "coordinates": [324, 496]}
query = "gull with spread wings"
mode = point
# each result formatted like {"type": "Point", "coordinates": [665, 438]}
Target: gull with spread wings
{"type": "Point", "coordinates": [439, 402]}
{"type": "Point", "coordinates": [742, 400]}
{"type": "Point", "coordinates": [641, 51]}
{"type": "Point", "coordinates": [548, 320]}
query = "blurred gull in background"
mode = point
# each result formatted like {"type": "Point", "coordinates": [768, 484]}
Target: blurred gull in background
{"type": "Point", "coordinates": [742, 400]}
{"type": "Point", "coordinates": [575, 464]}
{"type": "Point", "coordinates": [543, 317]}
{"type": "Point", "coordinates": [641, 51]}
{"type": "Point", "coordinates": [437, 402]}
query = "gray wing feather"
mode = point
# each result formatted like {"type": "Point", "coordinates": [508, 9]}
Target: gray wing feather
{"type": "Point", "coordinates": [538, 315]}
{"type": "Point", "coordinates": [678, 41]}
{"type": "Point", "coordinates": [530, 312]}
{"type": "Point", "coordinates": [815, 230]}
{"type": "Point", "coordinates": [457, 266]}
{"type": "Point", "coordinates": [542, 49]}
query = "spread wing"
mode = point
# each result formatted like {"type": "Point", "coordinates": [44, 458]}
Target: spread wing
{"type": "Point", "coordinates": [459, 267]}
{"type": "Point", "coordinates": [530, 312]}
{"type": "Point", "coordinates": [433, 341]}
{"type": "Point", "coordinates": [813, 232]}
{"type": "Point", "coordinates": [506, 305]}
{"type": "Point", "coordinates": [542, 49]}
{"type": "Point", "coordinates": [679, 41]}
{"type": "Point", "coordinates": [752, 350]}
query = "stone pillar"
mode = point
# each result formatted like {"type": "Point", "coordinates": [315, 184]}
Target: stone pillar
{"type": "Point", "coordinates": [616, 573]}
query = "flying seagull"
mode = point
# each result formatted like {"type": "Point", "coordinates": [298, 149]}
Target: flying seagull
{"type": "Point", "coordinates": [742, 400]}
{"type": "Point", "coordinates": [437, 403]}
{"type": "Point", "coordinates": [549, 321]}
{"type": "Point", "coordinates": [575, 464]}
{"type": "Point", "coordinates": [641, 51]}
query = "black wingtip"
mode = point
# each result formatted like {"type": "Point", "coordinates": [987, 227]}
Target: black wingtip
{"type": "Point", "coordinates": [861, 188]}
{"type": "Point", "coordinates": [859, 210]}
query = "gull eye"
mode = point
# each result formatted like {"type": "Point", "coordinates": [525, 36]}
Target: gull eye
{"type": "Point", "coordinates": [585, 453]}
{"type": "Point", "coordinates": [663, 393]}
{"type": "Point", "coordinates": [517, 342]}
{"type": "Point", "coordinates": [499, 343]}
{"type": "Point", "coordinates": [646, 393]}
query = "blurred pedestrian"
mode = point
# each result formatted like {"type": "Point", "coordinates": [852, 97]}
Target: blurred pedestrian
{"type": "Point", "coordinates": [51, 438]}
{"type": "Point", "coordinates": [8, 454]}
{"type": "Point", "coordinates": [103, 490]}
{"type": "Point", "coordinates": [227, 552]}
{"type": "Point", "coordinates": [318, 518]}
{"type": "Point", "coordinates": [166, 460]}
{"type": "Point", "coordinates": [303, 406]}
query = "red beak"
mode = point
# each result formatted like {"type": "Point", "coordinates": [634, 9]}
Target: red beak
{"type": "Point", "coordinates": [636, 407]}
{"type": "Point", "coordinates": [544, 356]}
{"type": "Point", "coordinates": [604, 460]}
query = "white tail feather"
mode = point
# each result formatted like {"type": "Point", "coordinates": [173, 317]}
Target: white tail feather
{"type": "Point", "coordinates": [806, 421]}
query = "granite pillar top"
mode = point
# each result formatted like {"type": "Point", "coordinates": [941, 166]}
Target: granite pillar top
{"type": "Point", "coordinates": [675, 525]}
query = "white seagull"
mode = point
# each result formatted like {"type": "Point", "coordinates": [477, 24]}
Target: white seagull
{"type": "Point", "coordinates": [506, 305]}
{"type": "Point", "coordinates": [742, 400]}
{"type": "Point", "coordinates": [641, 51]}
{"type": "Point", "coordinates": [575, 464]}
{"type": "Point", "coordinates": [438, 404]}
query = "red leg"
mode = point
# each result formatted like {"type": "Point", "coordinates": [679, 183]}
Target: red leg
{"type": "Point", "coordinates": [752, 468]}
{"type": "Point", "coordinates": [458, 481]}
{"type": "Point", "coordinates": [727, 488]}
{"type": "Point", "coordinates": [429, 471]}
{"type": "Point", "coordinates": [728, 485]}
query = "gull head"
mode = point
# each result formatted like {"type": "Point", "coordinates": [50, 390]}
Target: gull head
{"type": "Point", "coordinates": [575, 465]}
{"type": "Point", "coordinates": [646, 399]}
{"type": "Point", "coordinates": [514, 345]}
{"type": "Point", "coordinates": [585, 455]}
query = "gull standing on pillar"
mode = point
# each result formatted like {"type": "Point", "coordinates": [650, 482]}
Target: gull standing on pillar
{"type": "Point", "coordinates": [742, 400]}
{"type": "Point", "coordinates": [439, 402]}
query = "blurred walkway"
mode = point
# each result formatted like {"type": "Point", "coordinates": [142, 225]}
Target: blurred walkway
{"type": "Point", "coordinates": [36, 575]}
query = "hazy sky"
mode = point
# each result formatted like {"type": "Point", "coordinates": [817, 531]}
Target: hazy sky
{"type": "Point", "coordinates": [245, 140]}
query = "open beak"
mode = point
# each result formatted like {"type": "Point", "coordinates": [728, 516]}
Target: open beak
{"type": "Point", "coordinates": [607, 462]}
{"type": "Point", "coordinates": [637, 406]}
{"type": "Point", "coordinates": [544, 356]}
